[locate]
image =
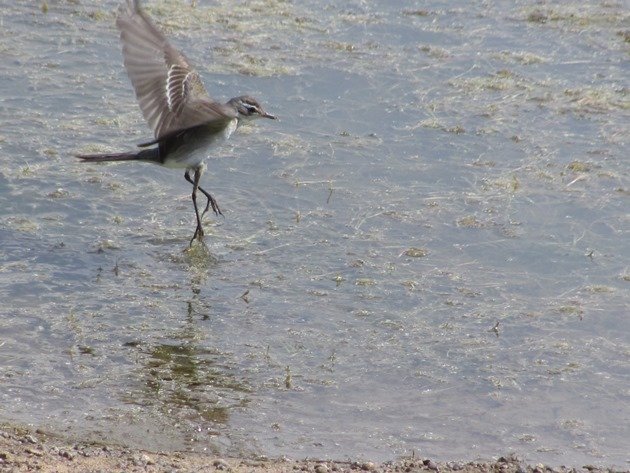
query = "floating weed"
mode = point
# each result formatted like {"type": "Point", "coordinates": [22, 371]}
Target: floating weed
{"type": "Point", "coordinates": [435, 52]}
{"type": "Point", "coordinates": [484, 164]}
{"type": "Point", "coordinates": [544, 175]}
{"type": "Point", "coordinates": [99, 15]}
{"type": "Point", "coordinates": [599, 289]}
{"type": "Point", "coordinates": [357, 142]}
{"type": "Point", "coordinates": [466, 292]}
{"type": "Point", "coordinates": [26, 171]}
{"type": "Point", "coordinates": [249, 65]}
{"type": "Point", "coordinates": [587, 18]}
{"type": "Point", "coordinates": [625, 35]}
{"type": "Point", "coordinates": [58, 193]}
{"type": "Point", "coordinates": [105, 245]}
{"type": "Point", "coordinates": [598, 99]}
{"type": "Point", "coordinates": [537, 16]}
{"type": "Point", "coordinates": [340, 46]}
{"type": "Point", "coordinates": [288, 378]}
{"type": "Point", "coordinates": [578, 15]}
{"type": "Point", "coordinates": [519, 57]}
{"type": "Point", "coordinates": [434, 123]}
{"type": "Point", "coordinates": [110, 122]}
{"type": "Point", "coordinates": [290, 145]}
{"type": "Point", "coordinates": [469, 221]}
{"type": "Point", "coordinates": [557, 371]}
{"type": "Point", "coordinates": [86, 350]}
{"type": "Point", "coordinates": [21, 224]}
{"type": "Point", "coordinates": [573, 309]}
{"type": "Point", "coordinates": [365, 282]}
{"type": "Point", "coordinates": [254, 22]}
{"type": "Point", "coordinates": [409, 284]}
{"type": "Point", "coordinates": [416, 12]}
{"type": "Point", "coordinates": [95, 149]}
{"type": "Point", "coordinates": [362, 313]}
{"type": "Point", "coordinates": [510, 184]}
{"type": "Point", "coordinates": [115, 186]}
{"type": "Point", "coordinates": [416, 252]}
{"type": "Point", "coordinates": [50, 152]}
{"type": "Point", "coordinates": [457, 129]}
{"type": "Point", "coordinates": [503, 80]}
{"type": "Point", "coordinates": [578, 166]}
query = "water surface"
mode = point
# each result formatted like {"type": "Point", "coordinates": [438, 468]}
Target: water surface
{"type": "Point", "coordinates": [428, 253]}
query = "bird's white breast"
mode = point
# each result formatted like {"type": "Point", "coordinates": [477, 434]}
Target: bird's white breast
{"type": "Point", "coordinates": [194, 153]}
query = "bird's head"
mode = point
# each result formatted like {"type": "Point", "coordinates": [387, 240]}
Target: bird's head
{"type": "Point", "coordinates": [248, 108]}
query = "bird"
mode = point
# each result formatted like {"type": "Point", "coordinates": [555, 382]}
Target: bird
{"type": "Point", "coordinates": [185, 120]}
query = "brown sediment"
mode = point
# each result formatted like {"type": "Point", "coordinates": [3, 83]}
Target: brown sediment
{"type": "Point", "coordinates": [24, 450]}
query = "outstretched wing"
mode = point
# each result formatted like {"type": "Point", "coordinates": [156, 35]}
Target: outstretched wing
{"type": "Point", "coordinates": [169, 91]}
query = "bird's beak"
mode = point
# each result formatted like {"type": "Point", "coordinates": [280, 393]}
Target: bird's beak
{"type": "Point", "coordinates": [269, 115]}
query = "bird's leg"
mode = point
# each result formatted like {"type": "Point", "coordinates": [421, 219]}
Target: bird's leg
{"type": "Point", "coordinates": [211, 200]}
{"type": "Point", "coordinates": [199, 230]}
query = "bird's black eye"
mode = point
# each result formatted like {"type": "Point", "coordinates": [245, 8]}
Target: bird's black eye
{"type": "Point", "coordinates": [251, 109]}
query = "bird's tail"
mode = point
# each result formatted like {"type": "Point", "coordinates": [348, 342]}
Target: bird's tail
{"type": "Point", "coordinates": [150, 155]}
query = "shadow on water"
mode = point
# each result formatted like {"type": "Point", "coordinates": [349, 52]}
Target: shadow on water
{"type": "Point", "coordinates": [185, 375]}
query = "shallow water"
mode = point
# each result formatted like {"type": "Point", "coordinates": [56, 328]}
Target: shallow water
{"type": "Point", "coordinates": [428, 253]}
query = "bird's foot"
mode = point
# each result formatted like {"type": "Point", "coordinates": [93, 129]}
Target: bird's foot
{"type": "Point", "coordinates": [197, 236]}
{"type": "Point", "coordinates": [212, 202]}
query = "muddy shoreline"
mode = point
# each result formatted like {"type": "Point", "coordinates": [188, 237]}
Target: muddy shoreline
{"type": "Point", "coordinates": [22, 449]}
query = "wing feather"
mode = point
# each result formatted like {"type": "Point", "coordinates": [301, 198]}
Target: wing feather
{"type": "Point", "coordinates": [170, 92]}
